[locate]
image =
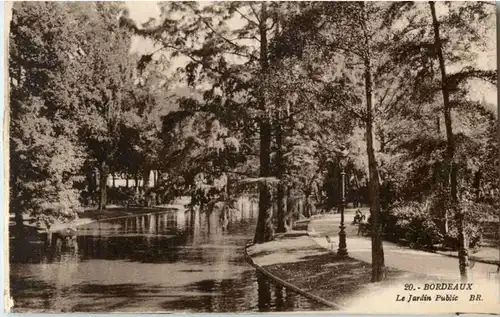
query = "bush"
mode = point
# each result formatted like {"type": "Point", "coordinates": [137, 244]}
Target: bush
{"type": "Point", "coordinates": [414, 224]}
{"type": "Point", "coordinates": [421, 225]}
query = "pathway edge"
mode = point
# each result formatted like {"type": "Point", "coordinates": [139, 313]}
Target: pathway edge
{"type": "Point", "coordinates": [289, 285]}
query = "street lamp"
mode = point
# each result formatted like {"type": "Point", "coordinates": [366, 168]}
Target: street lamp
{"type": "Point", "coordinates": [342, 251]}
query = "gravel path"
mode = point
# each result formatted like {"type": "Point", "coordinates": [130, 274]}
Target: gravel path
{"type": "Point", "coordinates": [402, 258]}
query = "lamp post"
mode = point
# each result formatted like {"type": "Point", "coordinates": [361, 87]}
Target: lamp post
{"type": "Point", "coordinates": [342, 251]}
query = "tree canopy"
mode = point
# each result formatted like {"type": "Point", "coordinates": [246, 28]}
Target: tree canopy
{"type": "Point", "coordinates": [260, 99]}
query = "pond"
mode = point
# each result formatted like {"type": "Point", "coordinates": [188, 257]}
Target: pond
{"type": "Point", "coordinates": [172, 261]}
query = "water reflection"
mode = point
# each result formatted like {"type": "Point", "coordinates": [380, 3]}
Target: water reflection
{"type": "Point", "coordinates": [188, 261]}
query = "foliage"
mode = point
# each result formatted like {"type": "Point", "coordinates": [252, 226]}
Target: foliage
{"type": "Point", "coordinates": [420, 224]}
{"type": "Point", "coordinates": [45, 156]}
{"type": "Point", "coordinates": [104, 84]}
{"type": "Point", "coordinates": [262, 98]}
{"type": "Point", "coordinates": [69, 70]}
{"type": "Point", "coordinates": [414, 223]}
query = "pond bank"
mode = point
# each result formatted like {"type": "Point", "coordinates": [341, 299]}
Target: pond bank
{"type": "Point", "coordinates": [116, 212]}
{"type": "Point", "coordinates": [298, 262]}
{"type": "Point", "coordinates": [90, 216]}
{"type": "Point", "coordinates": [112, 212]}
{"type": "Point", "coordinates": [256, 256]}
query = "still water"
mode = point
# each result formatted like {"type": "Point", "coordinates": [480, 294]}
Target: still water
{"type": "Point", "coordinates": [174, 261]}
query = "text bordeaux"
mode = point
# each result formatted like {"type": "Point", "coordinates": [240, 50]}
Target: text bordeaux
{"type": "Point", "coordinates": [448, 287]}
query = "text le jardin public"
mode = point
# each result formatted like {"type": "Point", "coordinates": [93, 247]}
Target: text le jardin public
{"type": "Point", "coordinates": [441, 297]}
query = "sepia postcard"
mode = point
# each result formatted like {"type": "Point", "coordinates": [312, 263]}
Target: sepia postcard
{"type": "Point", "coordinates": [251, 157]}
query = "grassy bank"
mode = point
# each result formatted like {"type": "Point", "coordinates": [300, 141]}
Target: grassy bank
{"type": "Point", "coordinates": [94, 214]}
{"type": "Point", "coordinates": [302, 263]}
{"type": "Point", "coordinates": [89, 215]}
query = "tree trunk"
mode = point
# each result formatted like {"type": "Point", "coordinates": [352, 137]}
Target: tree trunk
{"type": "Point", "coordinates": [378, 265]}
{"type": "Point", "coordinates": [264, 230]}
{"type": "Point", "coordinates": [126, 181]}
{"type": "Point", "coordinates": [477, 184]}
{"type": "Point", "coordinates": [280, 168]}
{"type": "Point", "coordinates": [145, 187]}
{"type": "Point", "coordinates": [103, 179]}
{"type": "Point", "coordinates": [114, 179]}
{"type": "Point", "coordinates": [289, 210]}
{"type": "Point", "coordinates": [281, 226]}
{"type": "Point", "coordinates": [281, 199]}
{"type": "Point", "coordinates": [18, 218]}
{"type": "Point", "coordinates": [446, 222]}
{"type": "Point", "coordinates": [145, 182]}
{"type": "Point", "coordinates": [463, 248]}
{"type": "Point", "coordinates": [15, 203]}
{"type": "Point", "coordinates": [90, 182]}
{"type": "Point", "coordinates": [382, 142]}
{"type": "Point", "coordinates": [307, 208]}
{"type": "Point", "coordinates": [450, 149]}
{"type": "Point", "coordinates": [331, 188]}
{"type": "Point", "coordinates": [92, 185]}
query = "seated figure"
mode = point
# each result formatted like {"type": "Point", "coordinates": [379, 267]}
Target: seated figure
{"type": "Point", "coordinates": [359, 217]}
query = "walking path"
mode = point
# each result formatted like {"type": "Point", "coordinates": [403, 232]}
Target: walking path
{"type": "Point", "coordinates": [403, 258]}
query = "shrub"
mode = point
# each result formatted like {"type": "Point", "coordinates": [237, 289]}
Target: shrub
{"type": "Point", "coordinates": [420, 224]}
{"type": "Point", "coordinates": [414, 224]}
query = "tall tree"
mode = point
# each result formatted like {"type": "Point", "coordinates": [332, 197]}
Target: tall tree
{"type": "Point", "coordinates": [108, 76]}
{"type": "Point", "coordinates": [374, 181]}
{"type": "Point", "coordinates": [308, 124]}
{"type": "Point", "coordinates": [232, 59]}
{"type": "Point", "coordinates": [451, 38]}
{"type": "Point", "coordinates": [45, 155]}
{"type": "Point", "coordinates": [264, 231]}
{"type": "Point", "coordinates": [450, 144]}
{"type": "Point", "coordinates": [347, 34]}
{"type": "Point", "coordinates": [450, 148]}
